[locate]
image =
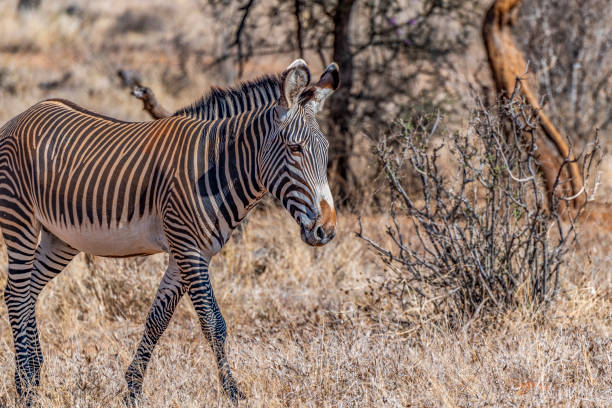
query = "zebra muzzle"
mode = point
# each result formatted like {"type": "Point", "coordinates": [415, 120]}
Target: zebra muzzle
{"type": "Point", "coordinates": [320, 234]}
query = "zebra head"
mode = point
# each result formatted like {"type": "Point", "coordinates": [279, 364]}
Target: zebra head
{"type": "Point", "coordinates": [294, 162]}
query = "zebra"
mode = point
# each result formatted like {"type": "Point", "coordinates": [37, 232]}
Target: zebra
{"type": "Point", "coordinates": [73, 181]}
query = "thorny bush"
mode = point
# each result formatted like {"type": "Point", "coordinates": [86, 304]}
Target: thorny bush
{"type": "Point", "coordinates": [484, 240]}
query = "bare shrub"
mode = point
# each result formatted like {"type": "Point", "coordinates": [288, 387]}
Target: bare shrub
{"type": "Point", "coordinates": [484, 240]}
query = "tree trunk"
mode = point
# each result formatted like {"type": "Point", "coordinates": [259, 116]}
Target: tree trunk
{"type": "Point", "coordinates": [341, 137]}
{"type": "Point", "coordinates": [507, 64]}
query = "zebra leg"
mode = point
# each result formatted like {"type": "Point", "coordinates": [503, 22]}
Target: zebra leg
{"type": "Point", "coordinates": [170, 291]}
{"type": "Point", "coordinates": [212, 323]}
{"type": "Point", "coordinates": [52, 256]}
{"type": "Point", "coordinates": [20, 233]}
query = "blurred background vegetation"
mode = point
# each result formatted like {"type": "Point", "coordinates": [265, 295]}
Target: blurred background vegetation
{"type": "Point", "coordinates": [415, 76]}
{"type": "Point", "coordinates": [398, 58]}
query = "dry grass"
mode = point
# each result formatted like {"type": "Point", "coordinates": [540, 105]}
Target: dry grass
{"type": "Point", "coordinates": [302, 333]}
{"type": "Point", "coordinates": [305, 328]}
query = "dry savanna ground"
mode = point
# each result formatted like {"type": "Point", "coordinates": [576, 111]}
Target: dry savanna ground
{"type": "Point", "coordinates": [303, 331]}
{"type": "Point", "coordinates": [308, 327]}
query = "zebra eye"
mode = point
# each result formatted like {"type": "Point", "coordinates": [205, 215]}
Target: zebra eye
{"type": "Point", "coordinates": [296, 148]}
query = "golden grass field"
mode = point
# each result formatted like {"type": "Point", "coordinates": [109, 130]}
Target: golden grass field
{"type": "Point", "coordinates": [307, 327]}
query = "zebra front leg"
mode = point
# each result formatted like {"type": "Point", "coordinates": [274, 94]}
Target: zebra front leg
{"type": "Point", "coordinates": [211, 320]}
{"type": "Point", "coordinates": [170, 291]}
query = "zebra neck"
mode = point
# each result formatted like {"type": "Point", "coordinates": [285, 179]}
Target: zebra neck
{"type": "Point", "coordinates": [230, 184]}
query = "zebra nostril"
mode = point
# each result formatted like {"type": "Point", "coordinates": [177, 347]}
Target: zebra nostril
{"type": "Point", "coordinates": [319, 233]}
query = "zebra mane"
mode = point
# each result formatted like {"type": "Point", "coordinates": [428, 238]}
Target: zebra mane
{"type": "Point", "coordinates": [226, 102]}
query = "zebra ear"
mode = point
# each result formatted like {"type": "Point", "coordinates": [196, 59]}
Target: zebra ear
{"type": "Point", "coordinates": [327, 84]}
{"type": "Point", "coordinates": [293, 81]}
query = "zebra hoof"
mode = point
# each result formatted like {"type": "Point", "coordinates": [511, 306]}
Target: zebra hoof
{"type": "Point", "coordinates": [233, 392]}
{"type": "Point", "coordinates": [27, 399]}
{"type": "Point", "coordinates": [22, 403]}
{"type": "Point", "coordinates": [131, 399]}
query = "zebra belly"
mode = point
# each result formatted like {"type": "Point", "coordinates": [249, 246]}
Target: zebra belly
{"type": "Point", "coordinates": [139, 237]}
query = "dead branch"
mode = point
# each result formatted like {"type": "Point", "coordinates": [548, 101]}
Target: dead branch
{"type": "Point", "coordinates": [150, 103]}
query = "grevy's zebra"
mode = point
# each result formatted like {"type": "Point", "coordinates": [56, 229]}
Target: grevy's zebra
{"type": "Point", "coordinates": [72, 180]}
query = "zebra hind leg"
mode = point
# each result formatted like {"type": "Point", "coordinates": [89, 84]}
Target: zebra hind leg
{"type": "Point", "coordinates": [52, 257]}
{"type": "Point", "coordinates": [170, 291]}
{"type": "Point", "coordinates": [211, 321]}
{"type": "Point", "coordinates": [21, 240]}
